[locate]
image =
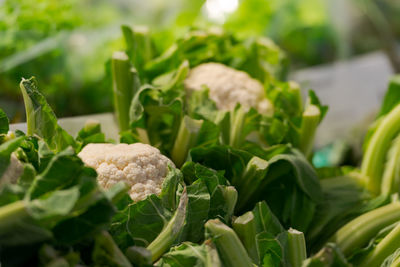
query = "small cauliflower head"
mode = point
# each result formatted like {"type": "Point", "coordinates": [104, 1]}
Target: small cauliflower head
{"type": "Point", "coordinates": [228, 87]}
{"type": "Point", "coordinates": [142, 167]}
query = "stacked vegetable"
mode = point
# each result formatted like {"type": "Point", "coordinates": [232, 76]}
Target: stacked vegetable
{"type": "Point", "coordinates": [212, 169]}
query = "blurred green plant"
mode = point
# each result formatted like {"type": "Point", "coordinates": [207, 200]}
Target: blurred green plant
{"type": "Point", "coordinates": [63, 44]}
{"type": "Point", "coordinates": [66, 43]}
{"type": "Point", "coordinates": [301, 27]}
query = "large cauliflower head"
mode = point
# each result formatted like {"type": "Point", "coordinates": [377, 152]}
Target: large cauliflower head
{"type": "Point", "coordinates": [141, 166]}
{"type": "Point", "coordinates": [228, 87]}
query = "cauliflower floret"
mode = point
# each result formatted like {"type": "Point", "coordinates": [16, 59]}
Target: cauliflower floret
{"type": "Point", "coordinates": [13, 171]}
{"type": "Point", "coordinates": [228, 87]}
{"type": "Point", "coordinates": [141, 166]}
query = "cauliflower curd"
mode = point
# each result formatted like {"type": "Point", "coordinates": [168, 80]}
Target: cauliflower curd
{"type": "Point", "coordinates": [228, 87]}
{"type": "Point", "coordinates": [141, 166]}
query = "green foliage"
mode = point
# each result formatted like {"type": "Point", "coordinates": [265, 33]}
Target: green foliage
{"type": "Point", "coordinates": [57, 38]}
{"type": "Point", "coordinates": [302, 28]}
{"type": "Point", "coordinates": [41, 119]}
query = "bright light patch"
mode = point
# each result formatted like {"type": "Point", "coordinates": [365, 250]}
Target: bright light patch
{"type": "Point", "coordinates": [217, 10]}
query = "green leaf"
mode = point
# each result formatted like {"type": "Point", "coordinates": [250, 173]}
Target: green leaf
{"type": "Point", "coordinates": [265, 220]}
{"type": "Point", "coordinates": [392, 96]}
{"type": "Point", "coordinates": [146, 219]}
{"type": "Point", "coordinates": [41, 119]}
{"type": "Point", "coordinates": [93, 219]}
{"type": "Point", "coordinates": [313, 99]}
{"type": "Point", "coordinates": [197, 212]}
{"type": "Point", "coordinates": [160, 113]}
{"type": "Point", "coordinates": [169, 187]}
{"type": "Point", "coordinates": [304, 174]}
{"type": "Point", "coordinates": [57, 203]}
{"type": "Point", "coordinates": [343, 199]}
{"type": "Point", "coordinates": [186, 254]}
{"type": "Point", "coordinates": [269, 250]}
{"type": "Point", "coordinates": [61, 171]}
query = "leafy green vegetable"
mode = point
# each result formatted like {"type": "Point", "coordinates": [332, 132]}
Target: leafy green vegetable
{"type": "Point", "coordinates": [288, 174]}
{"type": "Point", "coordinates": [189, 254]}
{"type": "Point", "coordinates": [41, 119]}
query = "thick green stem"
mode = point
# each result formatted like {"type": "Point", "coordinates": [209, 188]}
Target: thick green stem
{"type": "Point", "coordinates": [170, 232]}
{"type": "Point", "coordinates": [11, 213]}
{"type": "Point", "coordinates": [391, 175]}
{"type": "Point", "coordinates": [250, 181]}
{"type": "Point", "coordinates": [186, 139]}
{"type": "Point", "coordinates": [387, 246]}
{"type": "Point", "coordinates": [375, 154]}
{"type": "Point", "coordinates": [125, 84]}
{"type": "Point", "coordinates": [359, 231]}
{"type": "Point", "coordinates": [237, 120]}
{"type": "Point", "coordinates": [296, 248]}
{"type": "Point", "coordinates": [138, 44]}
{"type": "Point", "coordinates": [230, 196]}
{"type": "Point", "coordinates": [310, 120]}
{"type": "Point", "coordinates": [245, 228]}
{"type": "Point", "coordinates": [228, 244]}
{"type": "Point", "coordinates": [296, 92]}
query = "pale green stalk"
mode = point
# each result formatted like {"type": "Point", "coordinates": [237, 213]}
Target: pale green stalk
{"type": "Point", "coordinates": [171, 231]}
{"type": "Point", "coordinates": [309, 123]}
{"type": "Point", "coordinates": [186, 139]}
{"type": "Point", "coordinates": [296, 248]}
{"type": "Point", "coordinates": [359, 231]}
{"type": "Point", "coordinates": [245, 228]}
{"type": "Point", "coordinates": [125, 83]}
{"type": "Point", "coordinates": [379, 144]}
{"type": "Point", "coordinates": [385, 248]}
{"type": "Point", "coordinates": [228, 244]}
{"type": "Point", "coordinates": [391, 175]}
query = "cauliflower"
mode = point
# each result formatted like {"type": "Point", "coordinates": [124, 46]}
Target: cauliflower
{"type": "Point", "coordinates": [228, 87]}
{"type": "Point", "coordinates": [13, 171]}
{"type": "Point", "coordinates": [141, 166]}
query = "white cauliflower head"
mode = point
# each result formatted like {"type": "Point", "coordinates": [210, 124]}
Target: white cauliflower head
{"type": "Point", "coordinates": [228, 87]}
{"type": "Point", "coordinates": [141, 166]}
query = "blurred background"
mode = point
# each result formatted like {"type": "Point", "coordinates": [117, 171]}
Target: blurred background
{"type": "Point", "coordinates": [337, 47]}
